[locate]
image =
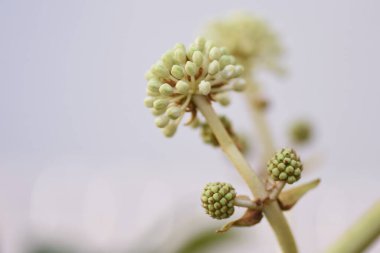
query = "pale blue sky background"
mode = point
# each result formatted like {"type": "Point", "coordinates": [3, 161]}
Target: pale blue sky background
{"type": "Point", "coordinates": [77, 145]}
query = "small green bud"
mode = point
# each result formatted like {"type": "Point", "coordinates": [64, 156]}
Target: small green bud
{"type": "Point", "coordinates": [300, 132]}
{"type": "Point", "coordinates": [285, 166]}
{"type": "Point", "coordinates": [177, 71]}
{"type": "Point", "coordinates": [226, 60]}
{"type": "Point", "coordinates": [166, 89]}
{"type": "Point", "coordinates": [228, 71]}
{"type": "Point", "coordinates": [167, 59]}
{"type": "Point", "coordinates": [215, 53]}
{"type": "Point", "coordinates": [191, 50]}
{"type": "Point", "coordinates": [169, 130]}
{"type": "Point", "coordinates": [218, 200]}
{"type": "Point", "coordinates": [160, 70]}
{"type": "Point", "coordinates": [239, 69]}
{"type": "Point", "coordinates": [190, 68]}
{"type": "Point", "coordinates": [204, 87]}
{"type": "Point", "coordinates": [222, 99]}
{"type": "Point", "coordinates": [174, 112]}
{"type": "Point", "coordinates": [160, 104]}
{"type": "Point", "coordinates": [200, 41]}
{"type": "Point", "coordinates": [156, 112]}
{"type": "Point", "coordinates": [153, 85]}
{"type": "Point", "coordinates": [209, 44]}
{"type": "Point", "coordinates": [162, 121]}
{"type": "Point", "coordinates": [148, 102]}
{"type": "Point", "coordinates": [239, 84]}
{"type": "Point", "coordinates": [197, 58]}
{"type": "Point", "coordinates": [214, 67]}
{"type": "Point", "coordinates": [182, 87]}
{"type": "Point", "coordinates": [180, 55]}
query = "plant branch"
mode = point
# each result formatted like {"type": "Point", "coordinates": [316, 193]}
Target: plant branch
{"type": "Point", "coordinates": [271, 210]}
{"type": "Point", "coordinates": [361, 234]}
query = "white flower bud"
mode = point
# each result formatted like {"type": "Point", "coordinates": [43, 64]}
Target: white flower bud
{"type": "Point", "coordinates": [191, 50]}
{"type": "Point", "coordinates": [174, 112]}
{"type": "Point", "coordinates": [209, 44]}
{"type": "Point", "coordinates": [204, 87]}
{"type": "Point", "coordinates": [215, 53]}
{"type": "Point", "coordinates": [191, 68]}
{"type": "Point", "coordinates": [148, 102]}
{"type": "Point", "coordinates": [197, 58]}
{"type": "Point", "coordinates": [162, 121]}
{"type": "Point", "coordinates": [213, 68]}
{"type": "Point", "coordinates": [160, 104]}
{"type": "Point", "coordinates": [182, 87]}
{"type": "Point", "coordinates": [166, 89]}
{"type": "Point", "coordinates": [177, 71]}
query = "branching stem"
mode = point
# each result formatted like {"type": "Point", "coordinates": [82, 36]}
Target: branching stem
{"type": "Point", "coordinates": [271, 210]}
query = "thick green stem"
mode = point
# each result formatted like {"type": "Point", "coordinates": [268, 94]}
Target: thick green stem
{"type": "Point", "coordinates": [361, 234]}
{"type": "Point", "coordinates": [271, 210]}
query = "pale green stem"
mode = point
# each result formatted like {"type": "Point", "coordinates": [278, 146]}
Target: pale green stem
{"type": "Point", "coordinates": [279, 186]}
{"type": "Point", "coordinates": [271, 210]}
{"type": "Point", "coordinates": [246, 203]}
{"type": "Point", "coordinates": [260, 122]}
{"type": "Point", "coordinates": [361, 234]}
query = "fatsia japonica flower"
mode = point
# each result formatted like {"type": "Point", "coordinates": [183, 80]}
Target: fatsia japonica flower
{"type": "Point", "coordinates": [201, 69]}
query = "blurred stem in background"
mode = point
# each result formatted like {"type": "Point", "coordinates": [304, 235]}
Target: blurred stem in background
{"type": "Point", "coordinates": [361, 234]}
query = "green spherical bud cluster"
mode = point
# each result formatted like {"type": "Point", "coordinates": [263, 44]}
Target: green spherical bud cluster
{"type": "Point", "coordinates": [201, 69]}
{"type": "Point", "coordinates": [300, 132]}
{"type": "Point", "coordinates": [285, 166]}
{"type": "Point", "coordinates": [218, 200]}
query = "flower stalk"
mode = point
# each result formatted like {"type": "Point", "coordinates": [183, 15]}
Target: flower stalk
{"type": "Point", "coordinates": [271, 210]}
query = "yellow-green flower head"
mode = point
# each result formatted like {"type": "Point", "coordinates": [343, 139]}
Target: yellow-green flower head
{"type": "Point", "coordinates": [218, 200]}
{"type": "Point", "coordinates": [285, 166]}
{"type": "Point", "coordinates": [300, 131]}
{"type": "Point", "coordinates": [248, 38]}
{"type": "Point", "coordinates": [201, 69]}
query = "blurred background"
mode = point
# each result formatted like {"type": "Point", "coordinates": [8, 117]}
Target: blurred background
{"type": "Point", "coordinates": [84, 169]}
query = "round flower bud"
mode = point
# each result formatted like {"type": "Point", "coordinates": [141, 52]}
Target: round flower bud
{"type": "Point", "coordinates": [167, 59]}
{"type": "Point", "coordinates": [200, 41]}
{"type": "Point", "coordinates": [204, 87]}
{"type": "Point", "coordinates": [153, 85]}
{"type": "Point", "coordinates": [197, 58]}
{"type": "Point", "coordinates": [191, 68]}
{"type": "Point", "coordinates": [148, 102]}
{"type": "Point", "coordinates": [222, 99]}
{"type": "Point", "coordinates": [215, 53]}
{"type": "Point", "coordinates": [226, 60]}
{"type": "Point", "coordinates": [228, 71]}
{"type": "Point", "coordinates": [239, 85]}
{"type": "Point", "coordinates": [160, 104]}
{"type": "Point", "coordinates": [166, 89]}
{"type": "Point", "coordinates": [160, 70]}
{"type": "Point", "coordinates": [177, 72]}
{"type": "Point", "coordinates": [213, 68]}
{"type": "Point", "coordinates": [180, 55]}
{"type": "Point", "coordinates": [162, 121]}
{"type": "Point", "coordinates": [285, 166]}
{"type": "Point", "coordinates": [182, 87]}
{"type": "Point", "coordinates": [174, 112]}
{"type": "Point", "coordinates": [169, 130]}
{"type": "Point", "coordinates": [300, 132]}
{"type": "Point", "coordinates": [218, 200]}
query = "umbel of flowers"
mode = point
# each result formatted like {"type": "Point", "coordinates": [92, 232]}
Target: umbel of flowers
{"type": "Point", "coordinates": [201, 69]}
